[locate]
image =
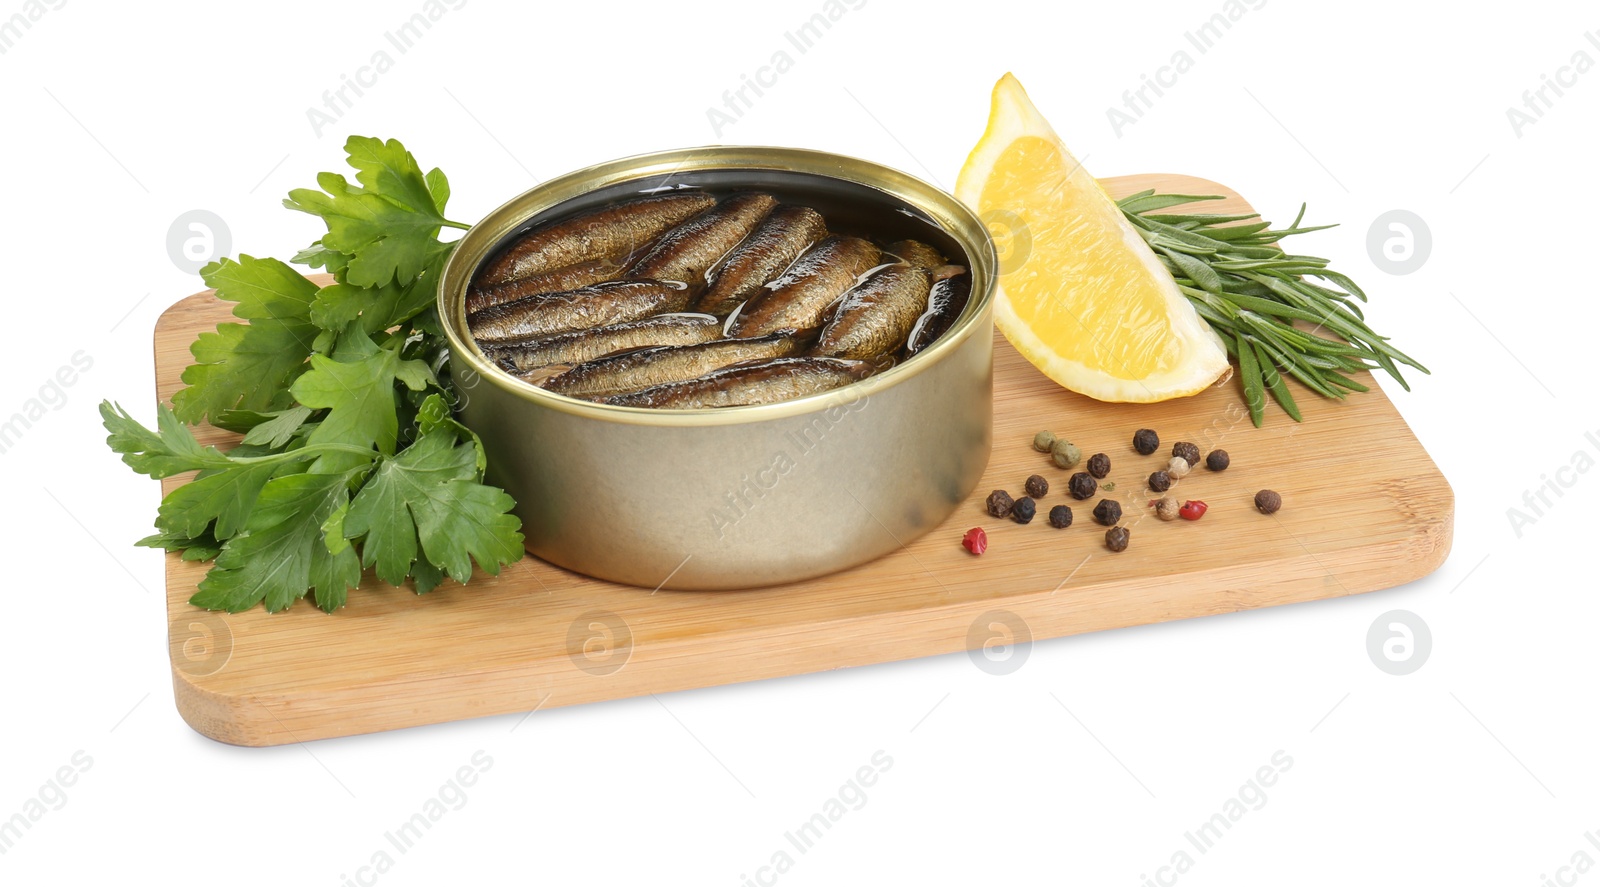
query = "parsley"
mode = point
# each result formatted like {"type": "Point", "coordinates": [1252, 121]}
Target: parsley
{"type": "Point", "coordinates": [351, 457]}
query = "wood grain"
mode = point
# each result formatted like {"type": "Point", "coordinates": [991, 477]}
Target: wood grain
{"type": "Point", "coordinates": [540, 637]}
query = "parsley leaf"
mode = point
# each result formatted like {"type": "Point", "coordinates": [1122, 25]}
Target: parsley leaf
{"type": "Point", "coordinates": [389, 225]}
{"type": "Point", "coordinates": [387, 168]}
{"type": "Point", "coordinates": [378, 308]}
{"type": "Point", "coordinates": [203, 547]}
{"type": "Point", "coordinates": [172, 450]}
{"type": "Point", "coordinates": [248, 366]}
{"type": "Point", "coordinates": [351, 455]}
{"type": "Point", "coordinates": [278, 430]}
{"type": "Point", "coordinates": [430, 494]}
{"type": "Point", "coordinates": [435, 413]}
{"type": "Point", "coordinates": [318, 256]}
{"type": "Point", "coordinates": [358, 391]}
{"type": "Point", "coordinates": [225, 496]}
{"type": "Point", "coordinates": [283, 554]}
{"type": "Point", "coordinates": [439, 187]}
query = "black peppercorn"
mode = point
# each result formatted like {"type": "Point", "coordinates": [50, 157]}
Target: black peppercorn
{"type": "Point", "coordinates": [1022, 510]}
{"type": "Point", "coordinates": [1145, 441]}
{"type": "Point", "coordinates": [1160, 481]}
{"type": "Point", "coordinates": [1037, 486]}
{"type": "Point", "coordinates": [1081, 485]}
{"type": "Point", "coordinates": [1099, 465]}
{"type": "Point", "coordinates": [1217, 460]}
{"type": "Point", "coordinates": [1061, 517]}
{"type": "Point", "coordinates": [1108, 512]}
{"type": "Point", "coordinates": [1186, 451]}
{"type": "Point", "coordinates": [1117, 538]}
{"type": "Point", "coordinates": [999, 504]}
{"type": "Point", "coordinates": [1268, 501]}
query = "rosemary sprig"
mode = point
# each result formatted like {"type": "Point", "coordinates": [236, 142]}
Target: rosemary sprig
{"type": "Point", "coordinates": [1253, 294]}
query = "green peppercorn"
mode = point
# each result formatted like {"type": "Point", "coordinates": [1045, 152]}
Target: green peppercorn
{"type": "Point", "coordinates": [1064, 454]}
{"type": "Point", "coordinates": [1218, 460]}
{"type": "Point", "coordinates": [999, 504]}
{"type": "Point", "coordinates": [1160, 481]}
{"type": "Point", "coordinates": [1108, 512]}
{"type": "Point", "coordinates": [1022, 510]}
{"type": "Point", "coordinates": [1037, 486]}
{"type": "Point", "coordinates": [1268, 502]}
{"type": "Point", "coordinates": [1061, 517]}
{"type": "Point", "coordinates": [1145, 441]}
{"type": "Point", "coordinates": [1187, 451]}
{"type": "Point", "coordinates": [1099, 465]}
{"type": "Point", "coordinates": [1117, 538]}
{"type": "Point", "coordinates": [1043, 440]}
{"type": "Point", "coordinates": [1081, 485]}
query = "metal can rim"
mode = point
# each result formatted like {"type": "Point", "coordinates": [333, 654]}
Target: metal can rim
{"type": "Point", "coordinates": [949, 213]}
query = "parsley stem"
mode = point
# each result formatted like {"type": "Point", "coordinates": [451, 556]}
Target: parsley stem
{"type": "Point", "coordinates": [300, 454]}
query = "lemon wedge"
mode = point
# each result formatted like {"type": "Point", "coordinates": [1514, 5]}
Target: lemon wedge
{"type": "Point", "coordinates": [1081, 295]}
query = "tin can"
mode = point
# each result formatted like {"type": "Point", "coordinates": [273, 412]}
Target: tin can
{"type": "Point", "coordinates": [744, 496]}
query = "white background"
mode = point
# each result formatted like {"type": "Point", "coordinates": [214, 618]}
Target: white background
{"type": "Point", "coordinates": [1087, 764]}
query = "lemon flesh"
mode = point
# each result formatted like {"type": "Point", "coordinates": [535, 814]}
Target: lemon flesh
{"type": "Point", "coordinates": [1081, 295]}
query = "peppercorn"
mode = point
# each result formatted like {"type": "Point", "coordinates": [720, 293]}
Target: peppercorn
{"type": "Point", "coordinates": [999, 504]}
{"type": "Point", "coordinates": [1117, 538]}
{"type": "Point", "coordinates": [975, 540]}
{"type": "Point", "coordinates": [1167, 507]}
{"type": "Point", "coordinates": [1218, 460]}
{"type": "Point", "coordinates": [1061, 517]}
{"type": "Point", "coordinates": [1081, 485]}
{"type": "Point", "coordinates": [1186, 451]}
{"type": "Point", "coordinates": [1160, 481]}
{"type": "Point", "coordinates": [1108, 512]}
{"type": "Point", "coordinates": [1064, 454]}
{"type": "Point", "coordinates": [1037, 486]}
{"type": "Point", "coordinates": [1099, 465]}
{"type": "Point", "coordinates": [1178, 467]}
{"type": "Point", "coordinates": [1043, 440]}
{"type": "Point", "coordinates": [1145, 441]}
{"type": "Point", "coordinates": [1194, 509]}
{"type": "Point", "coordinates": [1022, 510]}
{"type": "Point", "coordinates": [1268, 502]}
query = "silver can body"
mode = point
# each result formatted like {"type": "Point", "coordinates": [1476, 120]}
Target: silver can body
{"type": "Point", "coordinates": [745, 496]}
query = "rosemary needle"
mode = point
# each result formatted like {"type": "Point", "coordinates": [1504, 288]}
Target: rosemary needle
{"type": "Point", "coordinates": [1254, 294]}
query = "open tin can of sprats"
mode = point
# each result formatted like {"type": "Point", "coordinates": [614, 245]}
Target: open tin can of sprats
{"type": "Point", "coordinates": [742, 496]}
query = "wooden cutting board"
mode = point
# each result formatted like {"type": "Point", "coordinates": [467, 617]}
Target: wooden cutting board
{"type": "Point", "coordinates": [1364, 508]}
